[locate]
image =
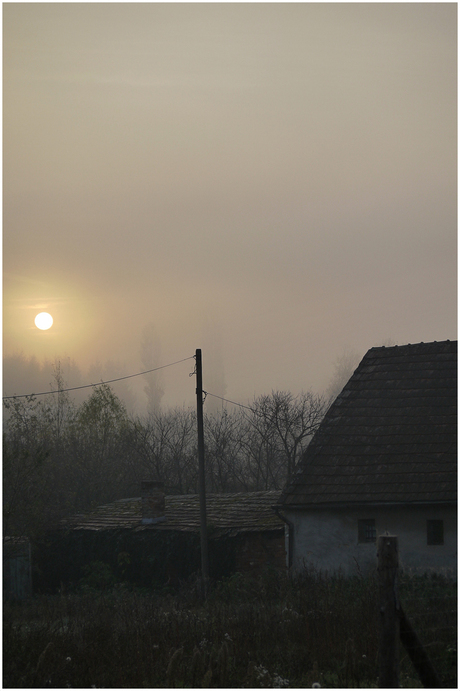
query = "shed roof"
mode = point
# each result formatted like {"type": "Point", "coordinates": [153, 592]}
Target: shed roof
{"type": "Point", "coordinates": [389, 437]}
{"type": "Point", "coordinates": [228, 514]}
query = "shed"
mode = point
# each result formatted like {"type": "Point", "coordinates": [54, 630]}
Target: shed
{"type": "Point", "coordinates": [383, 459]}
{"type": "Point", "coordinates": [17, 569]}
{"type": "Point", "coordinates": [154, 539]}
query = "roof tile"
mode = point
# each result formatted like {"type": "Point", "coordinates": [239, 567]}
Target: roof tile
{"type": "Point", "coordinates": [227, 514]}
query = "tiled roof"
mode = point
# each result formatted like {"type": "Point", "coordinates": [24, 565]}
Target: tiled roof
{"type": "Point", "coordinates": [389, 437]}
{"type": "Point", "coordinates": [227, 514]}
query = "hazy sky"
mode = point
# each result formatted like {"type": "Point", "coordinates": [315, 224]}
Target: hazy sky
{"type": "Point", "coordinates": [271, 183]}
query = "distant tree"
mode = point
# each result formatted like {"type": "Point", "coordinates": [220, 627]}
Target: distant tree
{"type": "Point", "coordinates": [106, 372]}
{"type": "Point", "coordinates": [150, 358]}
{"type": "Point", "coordinates": [26, 375]}
{"type": "Point", "coordinates": [58, 408]}
{"type": "Point", "coordinates": [102, 414]}
{"type": "Point", "coordinates": [344, 367]}
{"type": "Point", "coordinates": [26, 464]}
{"type": "Point", "coordinates": [21, 375]}
{"type": "Point", "coordinates": [214, 371]}
{"type": "Point", "coordinates": [35, 488]}
{"type": "Point", "coordinates": [98, 446]}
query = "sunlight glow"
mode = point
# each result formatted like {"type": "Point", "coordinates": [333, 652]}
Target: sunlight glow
{"type": "Point", "coordinates": [43, 321]}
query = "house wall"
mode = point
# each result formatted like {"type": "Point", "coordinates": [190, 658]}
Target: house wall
{"type": "Point", "coordinates": [328, 539]}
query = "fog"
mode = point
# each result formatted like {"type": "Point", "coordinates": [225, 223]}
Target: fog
{"type": "Point", "coordinates": [272, 183]}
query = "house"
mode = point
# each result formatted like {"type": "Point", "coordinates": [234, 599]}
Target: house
{"type": "Point", "coordinates": [155, 539]}
{"type": "Point", "coordinates": [383, 459]}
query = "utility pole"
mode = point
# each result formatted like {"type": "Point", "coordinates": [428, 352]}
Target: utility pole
{"type": "Point", "coordinates": [201, 476]}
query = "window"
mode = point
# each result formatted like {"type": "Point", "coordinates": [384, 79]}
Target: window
{"type": "Point", "coordinates": [435, 532]}
{"type": "Point", "coordinates": [366, 530]}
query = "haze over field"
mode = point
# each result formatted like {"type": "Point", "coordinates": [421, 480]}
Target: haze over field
{"type": "Point", "coordinates": [272, 183]}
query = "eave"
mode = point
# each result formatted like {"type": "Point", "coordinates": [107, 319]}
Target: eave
{"type": "Point", "coordinates": [360, 504]}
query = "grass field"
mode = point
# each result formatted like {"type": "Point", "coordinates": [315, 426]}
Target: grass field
{"type": "Point", "coordinates": [250, 633]}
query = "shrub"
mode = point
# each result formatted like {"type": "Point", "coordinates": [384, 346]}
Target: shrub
{"type": "Point", "coordinates": [97, 576]}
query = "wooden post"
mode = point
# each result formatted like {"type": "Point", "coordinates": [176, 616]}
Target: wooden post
{"type": "Point", "coordinates": [201, 476]}
{"type": "Point", "coordinates": [389, 615]}
{"type": "Point", "coordinates": [418, 655]}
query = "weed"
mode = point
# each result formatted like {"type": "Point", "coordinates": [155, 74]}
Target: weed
{"type": "Point", "coordinates": [272, 632]}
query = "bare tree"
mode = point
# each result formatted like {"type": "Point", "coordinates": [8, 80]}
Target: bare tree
{"type": "Point", "coordinates": [165, 449]}
{"type": "Point", "coordinates": [284, 425]}
{"type": "Point", "coordinates": [60, 458]}
{"type": "Point", "coordinates": [148, 444]}
{"type": "Point", "coordinates": [225, 470]}
{"type": "Point", "coordinates": [181, 440]}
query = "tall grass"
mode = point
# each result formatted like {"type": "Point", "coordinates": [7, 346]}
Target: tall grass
{"type": "Point", "coordinates": [250, 633]}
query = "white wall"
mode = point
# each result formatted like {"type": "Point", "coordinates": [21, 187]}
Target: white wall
{"type": "Point", "coordinates": [328, 539]}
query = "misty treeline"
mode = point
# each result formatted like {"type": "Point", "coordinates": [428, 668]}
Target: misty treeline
{"type": "Point", "coordinates": [27, 374]}
{"type": "Point", "coordinates": [61, 458]}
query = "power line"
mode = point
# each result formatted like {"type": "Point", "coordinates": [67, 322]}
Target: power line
{"type": "Point", "coordinates": [206, 393]}
{"type": "Point", "coordinates": [109, 381]}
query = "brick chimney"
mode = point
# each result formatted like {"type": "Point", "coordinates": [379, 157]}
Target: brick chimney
{"type": "Point", "coordinates": [153, 502]}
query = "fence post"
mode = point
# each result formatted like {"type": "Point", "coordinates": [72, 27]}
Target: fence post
{"type": "Point", "coordinates": [387, 552]}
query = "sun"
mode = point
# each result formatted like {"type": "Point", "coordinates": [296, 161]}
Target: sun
{"type": "Point", "coordinates": [43, 321]}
